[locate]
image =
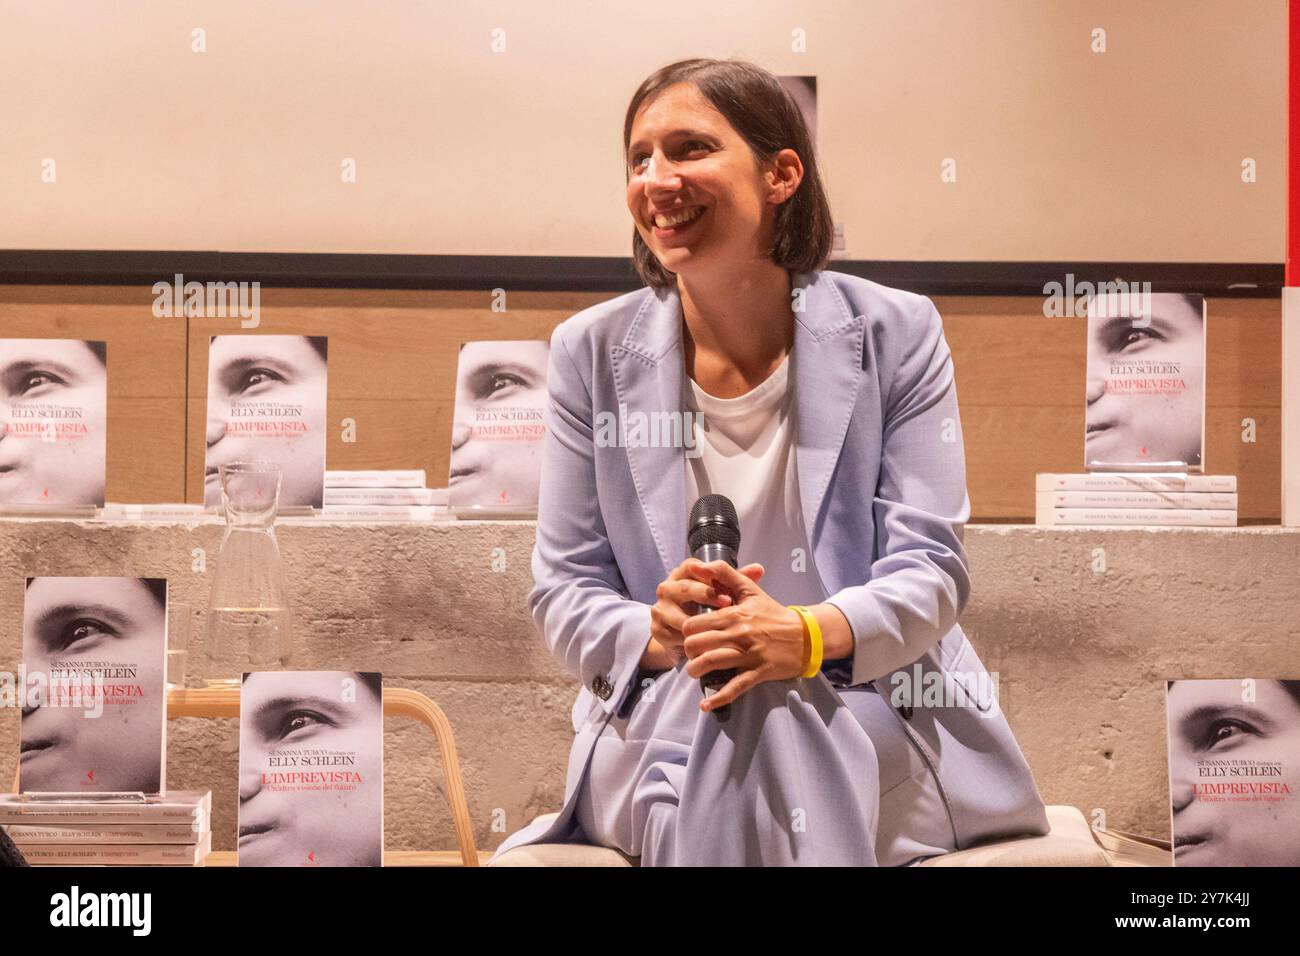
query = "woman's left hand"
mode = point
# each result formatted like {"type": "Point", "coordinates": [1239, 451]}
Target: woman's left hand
{"type": "Point", "coordinates": [757, 636]}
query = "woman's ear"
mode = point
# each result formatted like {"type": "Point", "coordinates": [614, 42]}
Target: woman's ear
{"type": "Point", "coordinates": [784, 176]}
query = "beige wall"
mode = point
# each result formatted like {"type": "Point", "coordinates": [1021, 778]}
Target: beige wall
{"type": "Point", "coordinates": [1062, 154]}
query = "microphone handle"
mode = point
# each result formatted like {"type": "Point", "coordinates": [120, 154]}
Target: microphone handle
{"type": "Point", "coordinates": [715, 680]}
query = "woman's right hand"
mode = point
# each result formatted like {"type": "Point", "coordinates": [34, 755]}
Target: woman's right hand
{"type": "Point", "coordinates": [673, 605]}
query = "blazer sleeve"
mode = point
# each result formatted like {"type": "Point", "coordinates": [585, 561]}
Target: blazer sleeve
{"type": "Point", "coordinates": [579, 601]}
{"type": "Point", "coordinates": [920, 581]}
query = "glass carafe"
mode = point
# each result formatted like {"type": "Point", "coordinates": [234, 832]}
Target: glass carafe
{"type": "Point", "coordinates": [248, 611]}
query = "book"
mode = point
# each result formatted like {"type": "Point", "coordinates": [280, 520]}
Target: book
{"type": "Point", "coordinates": [54, 412]}
{"type": "Point", "coordinates": [173, 807]}
{"type": "Point", "coordinates": [1145, 383]}
{"type": "Point", "coordinates": [408, 478]}
{"type": "Point", "coordinates": [1170, 517]}
{"type": "Point", "coordinates": [144, 833]}
{"type": "Point", "coordinates": [157, 512]}
{"type": "Point", "coordinates": [311, 769]}
{"type": "Point", "coordinates": [1214, 500]}
{"type": "Point", "coordinates": [1135, 481]}
{"type": "Point", "coordinates": [383, 512]}
{"type": "Point", "coordinates": [498, 429]}
{"type": "Point", "coordinates": [1131, 849]}
{"type": "Point", "coordinates": [1234, 771]}
{"type": "Point", "coordinates": [95, 702]}
{"type": "Point", "coordinates": [266, 402]}
{"type": "Point", "coordinates": [118, 854]}
{"type": "Point", "coordinates": [380, 496]}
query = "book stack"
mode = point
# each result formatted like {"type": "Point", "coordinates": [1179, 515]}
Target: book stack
{"type": "Point", "coordinates": [382, 496]}
{"type": "Point", "coordinates": [167, 829]}
{"type": "Point", "coordinates": [1134, 498]}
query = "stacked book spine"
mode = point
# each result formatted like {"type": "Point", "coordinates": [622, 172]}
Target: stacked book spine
{"type": "Point", "coordinates": [157, 512]}
{"type": "Point", "coordinates": [1135, 498]}
{"type": "Point", "coordinates": [173, 829]}
{"type": "Point", "coordinates": [382, 495]}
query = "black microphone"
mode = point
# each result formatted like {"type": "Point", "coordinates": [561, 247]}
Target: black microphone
{"type": "Point", "coordinates": [713, 534]}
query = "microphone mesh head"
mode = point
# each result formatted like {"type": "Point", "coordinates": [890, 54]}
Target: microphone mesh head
{"type": "Point", "coordinates": [713, 521]}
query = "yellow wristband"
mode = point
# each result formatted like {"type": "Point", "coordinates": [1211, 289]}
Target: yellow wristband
{"type": "Point", "coordinates": [813, 634]}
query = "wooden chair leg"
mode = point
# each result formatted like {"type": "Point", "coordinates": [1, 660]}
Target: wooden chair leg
{"type": "Point", "coordinates": [402, 702]}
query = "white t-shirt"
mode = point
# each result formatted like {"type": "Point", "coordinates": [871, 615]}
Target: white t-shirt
{"type": "Point", "coordinates": [747, 452]}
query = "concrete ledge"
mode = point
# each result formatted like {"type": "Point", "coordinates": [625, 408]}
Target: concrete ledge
{"type": "Point", "coordinates": [1083, 626]}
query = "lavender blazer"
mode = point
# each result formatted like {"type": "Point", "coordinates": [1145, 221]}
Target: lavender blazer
{"type": "Point", "coordinates": [882, 480]}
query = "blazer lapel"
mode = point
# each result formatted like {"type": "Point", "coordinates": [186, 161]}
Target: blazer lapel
{"type": "Point", "coordinates": [648, 371]}
{"type": "Point", "coordinates": [827, 365]}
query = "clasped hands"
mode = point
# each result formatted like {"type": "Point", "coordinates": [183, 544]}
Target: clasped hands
{"type": "Point", "coordinates": [747, 631]}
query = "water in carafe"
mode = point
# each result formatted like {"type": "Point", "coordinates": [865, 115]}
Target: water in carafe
{"type": "Point", "coordinates": [248, 610]}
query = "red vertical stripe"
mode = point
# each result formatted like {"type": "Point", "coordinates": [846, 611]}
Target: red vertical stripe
{"type": "Point", "coordinates": [1293, 148]}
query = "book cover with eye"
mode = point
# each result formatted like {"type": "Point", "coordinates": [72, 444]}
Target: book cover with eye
{"type": "Point", "coordinates": [498, 429]}
{"type": "Point", "coordinates": [1234, 771]}
{"type": "Point", "coordinates": [266, 402]}
{"type": "Point", "coordinates": [53, 420]}
{"type": "Point", "coordinates": [1145, 392]}
{"type": "Point", "coordinates": [311, 769]}
{"type": "Point", "coordinates": [94, 717]}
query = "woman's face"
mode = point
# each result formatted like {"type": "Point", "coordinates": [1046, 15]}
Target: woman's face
{"type": "Point", "coordinates": [70, 623]}
{"type": "Point", "coordinates": [1164, 425]}
{"type": "Point", "coordinates": [498, 385]}
{"type": "Point", "coordinates": [1212, 728]}
{"type": "Point", "coordinates": [70, 468]}
{"type": "Point", "coordinates": [280, 370]}
{"type": "Point", "coordinates": [328, 825]}
{"type": "Point", "coordinates": [685, 156]}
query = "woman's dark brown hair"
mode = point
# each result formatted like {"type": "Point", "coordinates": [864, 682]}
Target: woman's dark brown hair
{"type": "Point", "coordinates": [763, 113]}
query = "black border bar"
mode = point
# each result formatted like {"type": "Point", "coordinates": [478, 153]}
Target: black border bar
{"type": "Point", "coordinates": [594, 273]}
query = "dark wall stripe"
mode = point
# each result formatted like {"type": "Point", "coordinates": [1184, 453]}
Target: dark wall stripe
{"type": "Point", "coordinates": [592, 273]}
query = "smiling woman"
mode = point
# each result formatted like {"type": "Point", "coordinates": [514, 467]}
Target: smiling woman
{"type": "Point", "coordinates": [693, 174]}
{"type": "Point", "coordinates": [824, 409]}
